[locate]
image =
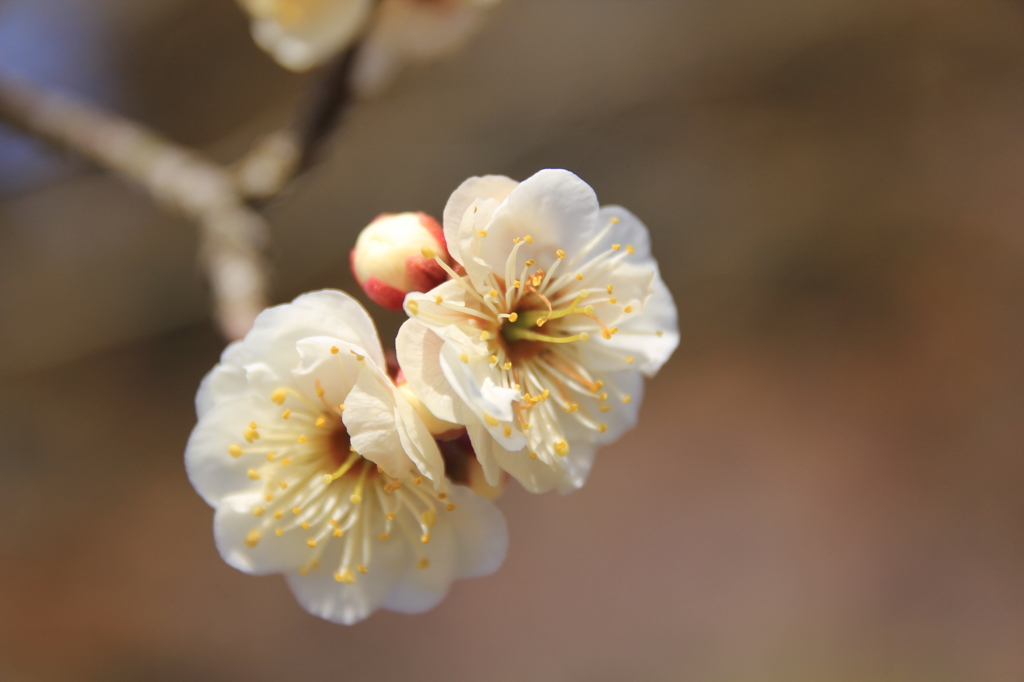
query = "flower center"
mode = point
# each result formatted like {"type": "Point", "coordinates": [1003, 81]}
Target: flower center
{"type": "Point", "coordinates": [313, 482]}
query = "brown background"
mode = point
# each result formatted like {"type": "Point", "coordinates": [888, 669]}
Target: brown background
{"type": "Point", "coordinates": [828, 480]}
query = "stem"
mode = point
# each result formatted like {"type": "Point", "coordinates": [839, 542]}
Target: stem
{"type": "Point", "coordinates": [284, 154]}
{"type": "Point", "coordinates": [231, 234]}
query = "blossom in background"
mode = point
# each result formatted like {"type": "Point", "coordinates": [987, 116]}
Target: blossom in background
{"type": "Point", "coordinates": [395, 254]}
{"type": "Point", "coordinates": [414, 30]}
{"type": "Point", "coordinates": [320, 469]}
{"type": "Point", "coordinates": [541, 347]}
{"type": "Point", "coordinates": [302, 34]}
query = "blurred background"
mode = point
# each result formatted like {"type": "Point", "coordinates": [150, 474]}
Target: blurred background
{"type": "Point", "coordinates": [828, 478]}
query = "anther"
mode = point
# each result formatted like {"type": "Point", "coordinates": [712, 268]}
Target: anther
{"type": "Point", "coordinates": [627, 399]}
{"type": "Point", "coordinates": [579, 277]}
{"type": "Point", "coordinates": [513, 317]}
{"type": "Point", "coordinates": [252, 538]}
{"type": "Point", "coordinates": [287, 414]}
{"type": "Point", "coordinates": [630, 250]}
{"type": "Point", "coordinates": [278, 514]}
{"type": "Point", "coordinates": [254, 475]}
{"type": "Point", "coordinates": [508, 432]}
{"type": "Point", "coordinates": [562, 448]}
{"type": "Point", "coordinates": [508, 366]}
{"type": "Point", "coordinates": [494, 360]}
{"type": "Point", "coordinates": [491, 421]}
{"type": "Point", "coordinates": [305, 525]}
{"type": "Point", "coordinates": [423, 564]}
{"type": "Point", "coordinates": [482, 233]}
{"type": "Point", "coordinates": [450, 507]}
{"type": "Point", "coordinates": [338, 533]}
{"type": "Point", "coordinates": [335, 350]}
{"type": "Point", "coordinates": [278, 396]}
{"type": "Point", "coordinates": [279, 532]}
{"type": "Point", "coordinates": [603, 428]}
{"type": "Point", "coordinates": [533, 455]}
{"type": "Point", "coordinates": [560, 253]}
{"type": "Point", "coordinates": [320, 422]}
{"type": "Point", "coordinates": [616, 247]}
{"type": "Point", "coordinates": [383, 536]}
{"type": "Point", "coordinates": [628, 309]}
{"type": "Point", "coordinates": [257, 511]}
{"type": "Point", "coordinates": [629, 359]}
{"type": "Point", "coordinates": [418, 480]}
{"type": "Point", "coordinates": [311, 542]}
{"type": "Point", "coordinates": [413, 307]}
{"type": "Point", "coordinates": [485, 335]}
{"type": "Point", "coordinates": [530, 263]}
{"type": "Point", "coordinates": [302, 439]}
{"type": "Point", "coordinates": [362, 569]}
{"type": "Point", "coordinates": [235, 451]}
{"type": "Point", "coordinates": [528, 239]}
{"type": "Point", "coordinates": [463, 357]}
{"type": "Point", "coordinates": [345, 577]}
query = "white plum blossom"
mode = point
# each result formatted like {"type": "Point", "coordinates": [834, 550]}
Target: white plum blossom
{"type": "Point", "coordinates": [414, 30]}
{"type": "Point", "coordinates": [540, 341]}
{"type": "Point", "coordinates": [301, 34]}
{"type": "Point", "coordinates": [320, 469]}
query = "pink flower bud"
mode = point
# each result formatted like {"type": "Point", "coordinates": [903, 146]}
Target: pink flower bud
{"type": "Point", "coordinates": [395, 254]}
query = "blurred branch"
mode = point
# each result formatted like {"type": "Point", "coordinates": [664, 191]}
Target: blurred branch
{"type": "Point", "coordinates": [284, 154]}
{"type": "Point", "coordinates": [232, 234]}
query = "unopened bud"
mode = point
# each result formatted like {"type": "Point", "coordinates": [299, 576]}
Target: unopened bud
{"type": "Point", "coordinates": [395, 254]}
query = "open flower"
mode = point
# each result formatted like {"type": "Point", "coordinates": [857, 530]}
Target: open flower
{"type": "Point", "coordinates": [414, 30]}
{"type": "Point", "coordinates": [541, 347]}
{"type": "Point", "coordinates": [301, 34]}
{"type": "Point", "coordinates": [320, 469]}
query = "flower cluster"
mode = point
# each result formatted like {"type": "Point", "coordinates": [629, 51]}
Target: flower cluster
{"type": "Point", "coordinates": [533, 319]}
{"type": "Point", "coordinates": [302, 34]}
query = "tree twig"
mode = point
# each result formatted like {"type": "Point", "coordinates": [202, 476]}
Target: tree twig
{"type": "Point", "coordinates": [232, 234]}
{"type": "Point", "coordinates": [281, 156]}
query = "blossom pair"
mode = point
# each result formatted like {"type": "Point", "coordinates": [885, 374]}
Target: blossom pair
{"type": "Point", "coordinates": [301, 34]}
{"type": "Point", "coordinates": [529, 353]}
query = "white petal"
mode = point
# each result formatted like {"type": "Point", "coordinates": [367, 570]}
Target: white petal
{"type": "Point", "coordinates": [629, 230]}
{"type": "Point", "coordinates": [300, 46]}
{"type": "Point", "coordinates": [420, 590]}
{"type": "Point", "coordinates": [532, 474]}
{"type": "Point", "coordinates": [639, 337]}
{"type": "Point", "coordinates": [419, 354]}
{"type": "Point", "coordinates": [233, 523]}
{"type": "Point", "coordinates": [334, 314]}
{"type": "Point", "coordinates": [623, 416]}
{"type": "Point", "coordinates": [321, 595]}
{"type": "Point", "coordinates": [213, 472]}
{"type": "Point", "coordinates": [496, 187]}
{"type": "Point", "coordinates": [370, 419]}
{"type": "Point", "coordinates": [480, 532]}
{"type": "Point", "coordinates": [336, 372]}
{"type": "Point", "coordinates": [555, 208]}
{"type": "Point", "coordinates": [224, 382]}
{"type": "Point", "coordinates": [474, 383]}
